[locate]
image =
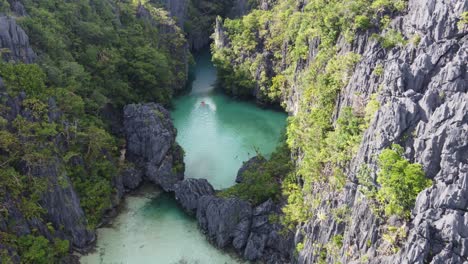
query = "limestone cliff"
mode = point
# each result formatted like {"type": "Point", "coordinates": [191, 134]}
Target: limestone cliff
{"type": "Point", "coordinates": [14, 43]}
{"type": "Point", "coordinates": [234, 223]}
{"type": "Point", "coordinates": [151, 144]}
{"type": "Point", "coordinates": [422, 92]}
{"type": "Point", "coordinates": [424, 108]}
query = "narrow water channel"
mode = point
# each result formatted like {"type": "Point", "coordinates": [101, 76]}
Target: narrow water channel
{"type": "Point", "coordinates": [217, 133]}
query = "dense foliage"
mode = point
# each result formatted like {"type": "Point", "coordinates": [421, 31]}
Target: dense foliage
{"type": "Point", "coordinates": [263, 181]}
{"type": "Point", "coordinates": [103, 56]}
{"type": "Point", "coordinates": [397, 185]}
{"type": "Point", "coordinates": [268, 47]}
{"type": "Point", "coordinates": [400, 182]}
{"type": "Point", "coordinates": [92, 55]}
{"type": "Point", "coordinates": [293, 49]}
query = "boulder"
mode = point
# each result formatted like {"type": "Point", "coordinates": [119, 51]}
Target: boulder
{"type": "Point", "coordinates": [132, 178]}
{"type": "Point", "coordinates": [188, 191]}
{"type": "Point", "coordinates": [265, 240]}
{"type": "Point", "coordinates": [151, 144]}
{"type": "Point", "coordinates": [224, 221]}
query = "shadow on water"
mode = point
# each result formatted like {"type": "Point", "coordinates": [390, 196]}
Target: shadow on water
{"type": "Point", "coordinates": [162, 206]}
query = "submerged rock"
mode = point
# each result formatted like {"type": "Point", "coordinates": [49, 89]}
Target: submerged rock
{"type": "Point", "coordinates": [151, 144]}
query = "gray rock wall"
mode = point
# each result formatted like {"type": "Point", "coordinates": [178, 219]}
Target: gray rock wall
{"type": "Point", "coordinates": [14, 43]}
{"type": "Point", "coordinates": [151, 143]}
{"type": "Point", "coordinates": [60, 201]}
{"type": "Point", "coordinates": [234, 223]}
{"type": "Point", "coordinates": [423, 97]}
{"type": "Point", "coordinates": [177, 9]}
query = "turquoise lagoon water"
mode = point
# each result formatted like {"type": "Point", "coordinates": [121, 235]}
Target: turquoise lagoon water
{"type": "Point", "coordinates": [217, 133]}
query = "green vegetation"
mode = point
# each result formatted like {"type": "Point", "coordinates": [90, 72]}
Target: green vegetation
{"type": "Point", "coordinates": [394, 236]}
{"type": "Point", "coordinates": [23, 77]}
{"type": "Point", "coordinates": [263, 181]}
{"type": "Point", "coordinates": [4, 7]}
{"type": "Point", "coordinates": [362, 22]}
{"type": "Point", "coordinates": [106, 57]}
{"type": "Point", "coordinates": [271, 50]}
{"type": "Point", "coordinates": [463, 20]}
{"type": "Point", "coordinates": [91, 54]}
{"type": "Point", "coordinates": [415, 40]}
{"type": "Point", "coordinates": [34, 249]}
{"type": "Point", "coordinates": [37, 249]}
{"type": "Point", "coordinates": [287, 34]}
{"type": "Point", "coordinates": [379, 70]}
{"type": "Point", "coordinates": [400, 180]}
{"type": "Point", "coordinates": [371, 108]}
{"type": "Point", "coordinates": [398, 183]}
{"type": "Point", "coordinates": [391, 39]}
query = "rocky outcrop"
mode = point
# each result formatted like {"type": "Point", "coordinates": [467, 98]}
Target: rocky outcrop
{"type": "Point", "coordinates": [151, 144]}
{"type": "Point", "coordinates": [132, 178]}
{"type": "Point", "coordinates": [14, 43]}
{"type": "Point", "coordinates": [197, 17]}
{"type": "Point", "coordinates": [231, 222]}
{"type": "Point", "coordinates": [225, 221]}
{"type": "Point", "coordinates": [61, 203]}
{"type": "Point", "coordinates": [219, 36]}
{"type": "Point", "coordinates": [239, 8]}
{"type": "Point", "coordinates": [177, 9]}
{"type": "Point", "coordinates": [58, 198]}
{"type": "Point", "coordinates": [252, 163]}
{"type": "Point", "coordinates": [262, 73]}
{"type": "Point", "coordinates": [189, 191]}
{"type": "Point", "coordinates": [268, 241]}
{"type": "Point", "coordinates": [171, 36]}
{"type": "Point", "coordinates": [17, 8]}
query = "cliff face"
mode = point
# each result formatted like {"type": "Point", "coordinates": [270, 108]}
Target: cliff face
{"type": "Point", "coordinates": [152, 147]}
{"type": "Point", "coordinates": [14, 43]}
{"type": "Point", "coordinates": [168, 32]}
{"type": "Point", "coordinates": [424, 108]}
{"type": "Point", "coordinates": [151, 144]}
{"type": "Point", "coordinates": [197, 17]}
{"type": "Point", "coordinates": [422, 93]}
{"type": "Point", "coordinates": [232, 222]}
{"type": "Point", "coordinates": [63, 216]}
{"type": "Point", "coordinates": [177, 9]}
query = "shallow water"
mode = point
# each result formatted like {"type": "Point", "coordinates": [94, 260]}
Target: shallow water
{"type": "Point", "coordinates": [152, 229]}
{"type": "Point", "coordinates": [217, 137]}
